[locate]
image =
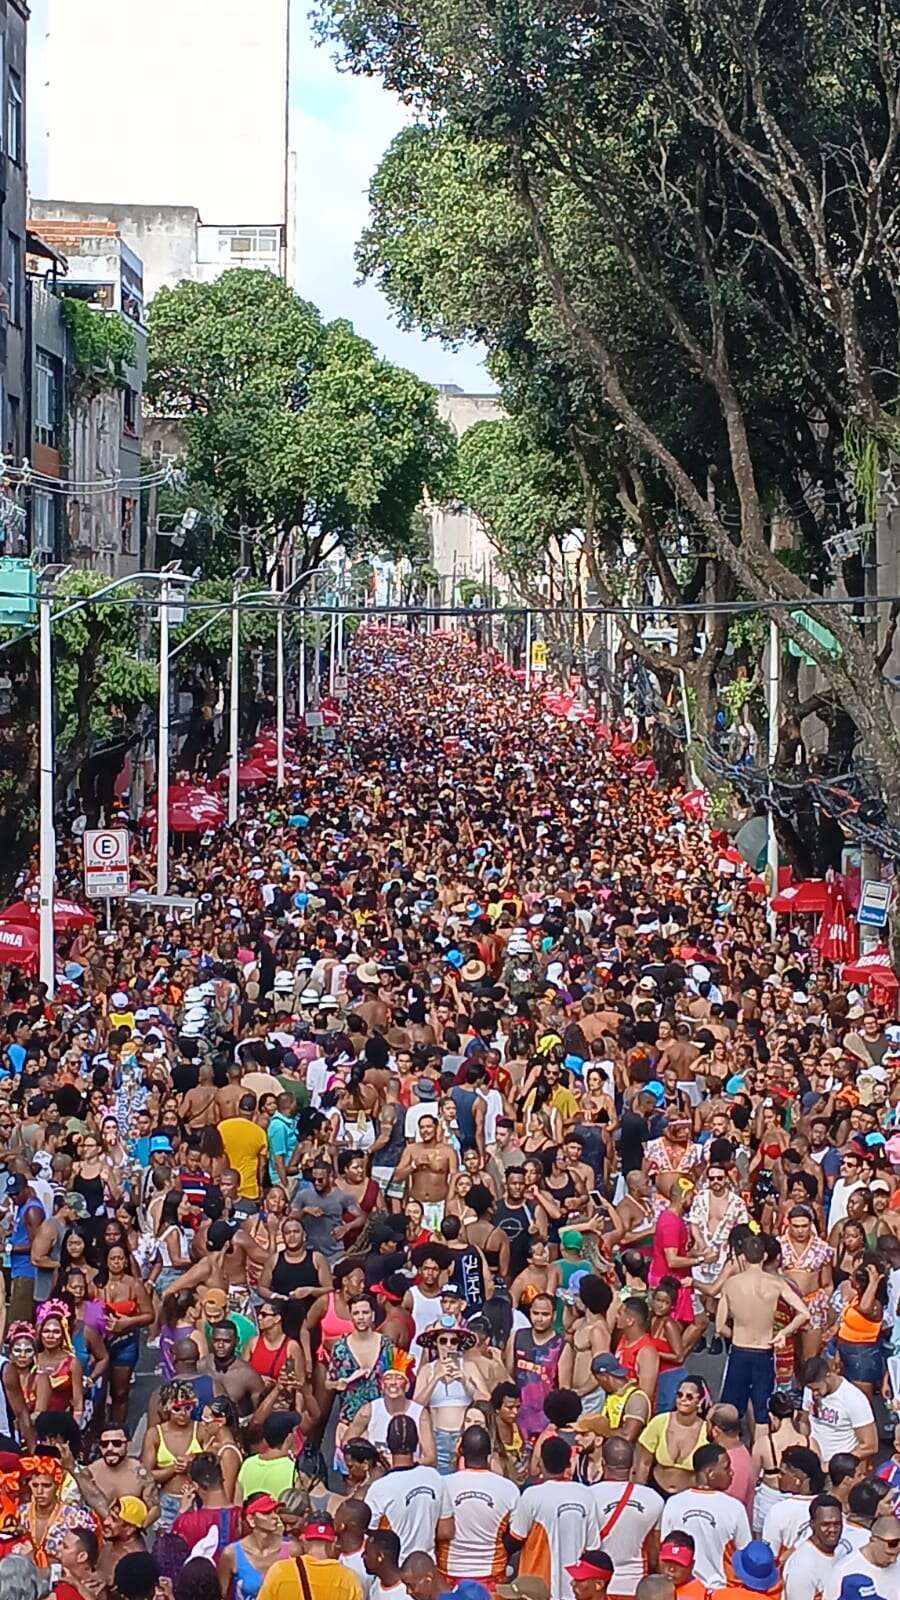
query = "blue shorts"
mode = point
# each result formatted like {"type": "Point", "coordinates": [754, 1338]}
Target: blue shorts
{"type": "Point", "coordinates": [124, 1352]}
{"type": "Point", "coordinates": [862, 1363]}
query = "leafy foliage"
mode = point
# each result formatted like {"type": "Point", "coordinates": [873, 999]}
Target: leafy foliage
{"type": "Point", "coordinates": [293, 424]}
{"type": "Point", "coordinates": [102, 344]}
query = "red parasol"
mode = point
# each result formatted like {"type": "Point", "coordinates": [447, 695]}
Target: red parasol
{"type": "Point", "coordinates": [191, 810]}
{"type": "Point", "coordinates": [66, 915]}
{"type": "Point", "coordinates": [19, 945]}
{"type": "Point", "coordinates": [835, 937]}
{"type": "Point", "coordinates": [802, 899]}
{"type": "Point", "coordinates": [874, 968]}
{"type": "Point", "coordinates": [249, 776]}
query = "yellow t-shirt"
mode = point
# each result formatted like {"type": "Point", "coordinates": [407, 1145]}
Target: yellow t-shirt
{"type": "Point", "coordinates": [243, 1141]}
{"type": "Point", "coordinates": [328, 1580]}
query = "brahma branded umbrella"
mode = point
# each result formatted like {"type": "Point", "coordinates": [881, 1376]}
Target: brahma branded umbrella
{"type": "Point", "coordinates": [835, 937]}
{"type": "Point", "coordinates": [19, 945]}
{"type": "Point", "coordinates": [874, 968]}
{"type": "Point", "coordinates": [66, 915]}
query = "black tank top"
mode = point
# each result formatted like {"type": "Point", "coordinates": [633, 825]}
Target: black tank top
{"type": "Point", "coordinates": [288, 1275]}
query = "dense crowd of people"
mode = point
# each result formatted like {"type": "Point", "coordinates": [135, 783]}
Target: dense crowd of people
{"type": "Point", "coordinates": [378, 1232]}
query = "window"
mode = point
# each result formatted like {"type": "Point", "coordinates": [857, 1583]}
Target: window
{"type": "Point", "coordinates": [261, 243]}
{"type": "Point", "coordinates": [129, 411]}
{"type": "Point", "coordinates": [46, 399]}
{"type": "Point", "coordinates": [129, 510]}
{"type": "Point", "coordinates": [14, 276]}
{"type": "Point", "coordinates": [14, 117]}
{"type": "Point", "coordinates": [2, 82]}
{"type": "Point", "coordinates": [43, 522]}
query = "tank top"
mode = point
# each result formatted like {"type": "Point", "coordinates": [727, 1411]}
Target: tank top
{"type": "Point", "coordinates": [7, 1419]}
{"type": "Point", "coordinates": [267, 1362]}
{"type": "Point", "coordinates": [426, 1309]}
{"type": "Point", "coordinates": [289, 1275]}
{"type": "Point", "coordinates": [334, 1326]}
{"type": "Point", "coordinates": [393, 1150]}
{"type": "Point", "coordinates": [43, 1279]}
{"type": "Point", "coordinates": [464, 1101]}
{"type": "Point", "coordinates": [376, 1433]}
{"type": "Point", "coordinates": [468, 1278]}
{"type": "Point", "coordinates": [21, 1265]}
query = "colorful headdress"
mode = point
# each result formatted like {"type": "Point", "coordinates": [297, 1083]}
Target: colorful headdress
{"type": "Point", "coordinates": [58, 1310]}
{"type": "Point", "coordinates": [42, 1467]}
{"type": "Point", "coordinates": [21, 1330]}
{"type": "Point", "coordinates": [401, 1361]}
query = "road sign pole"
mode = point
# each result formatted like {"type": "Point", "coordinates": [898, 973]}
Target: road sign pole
{"type": "Point", "coordinates": [162, 748]}
{"type": "Point", "coordinates": [47, 827]}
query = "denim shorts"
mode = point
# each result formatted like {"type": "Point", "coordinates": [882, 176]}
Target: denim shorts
{"type": "Point", "coordinates": [862, 1363]}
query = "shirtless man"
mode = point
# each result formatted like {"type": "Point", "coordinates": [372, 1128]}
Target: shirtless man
{"type": "Point", "coordinates": [232, 1376]}
{"type": "Point", "coordinates": [677, 1050]}
{"type": "Point", "coordinates": [199, 1107]}
{"type": "Point", "coordinates": [428, 1168]}
{"type": "Point", "coordinates": [748, 1303]}
{"type": "Point", "coordinates": [589, 1337]}
{"type": "Point", "coordinates": [113, 1474]}
{"type": "Point", "coordinates": [227, 1262]}
{"type": "Point", "coordinates": [637, 1213]}
{"type": "Point", "coordinates": [540, 1273]}
{"type": "Point", "coordinates": [806, 1262]}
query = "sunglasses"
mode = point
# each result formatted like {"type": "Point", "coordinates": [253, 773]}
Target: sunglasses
{"type": "Point", "coordinates": [889, 1544]}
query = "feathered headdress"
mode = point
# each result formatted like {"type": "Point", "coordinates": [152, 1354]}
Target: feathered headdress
{"type": "Point", "coordinates": [57, 1309]}
{"type": "Point", "coordinates": [401, 1361]}
{"type": "Point", "coordinates": [21, 1330]}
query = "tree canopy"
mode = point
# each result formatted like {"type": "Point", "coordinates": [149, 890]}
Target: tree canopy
{"type": "Point", "coordinates": [688, 213]}
{"type": "Point", "coordinates": [294, 426]}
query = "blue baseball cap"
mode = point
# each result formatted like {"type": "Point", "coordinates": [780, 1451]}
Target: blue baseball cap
{"type": "Point", "coordinates": [655, 1088]}
{"type": "Point", "coordinates": [159, 1143]}
{"type": "Point", "coordinates": [454, 957]}
{"type": "Point", "coordinates": [857, 1587]}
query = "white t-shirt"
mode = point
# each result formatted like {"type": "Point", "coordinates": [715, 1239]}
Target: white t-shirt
{"type": "Point", "coordinates": [885, 1580]}
{"type": "Point", "coordinates": [317, 1074]}
{"type": "Point", "coordinates": [787, 1524]}
{"type": "Point", "coordinates": [626, 1541]}
{"type": "Point", "coordinates": [354, 1560]}
{"type": "Point", "coordinates": [377, 1591]}
{"type": "Point", "coordinates": [833, 1420]}
{"type": "Point", "coordinates": [558, 1521]}
{"type": "Point", "coordinates": [840, 1194]}
{"type": "Point", "coordinates": [411, 1501]}
{"type": "Point", "coordinates": [483, 1503]}
{"type": "Point", "coordinates": [493, 1108]}
{"type": "Point", "coordinates": [808, 1570]}
{"type": "Point", "coordinates": [717, 1524]}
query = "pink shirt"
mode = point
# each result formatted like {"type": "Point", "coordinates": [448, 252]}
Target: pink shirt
{"type": "Point", "coordinates": [743, 1476]}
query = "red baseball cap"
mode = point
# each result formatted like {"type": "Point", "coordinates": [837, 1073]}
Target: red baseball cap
{"type": "Point", "coordinates": [321, 1529]}
{"type": "Point", "coordinates": [593, 1564]}
{"type": "Point", "coordinates": [671, 1550]}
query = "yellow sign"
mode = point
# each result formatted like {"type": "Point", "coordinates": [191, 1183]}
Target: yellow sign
{"type": "Point", "coordinates": [538, 655]}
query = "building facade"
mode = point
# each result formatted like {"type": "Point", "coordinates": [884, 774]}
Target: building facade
{"type": "Point", "coordinates": [13, 211]}
{"type": "Point", "coordinates": [176, 114]}
{"type": "Point", "coordinates": [460, 546]}
{"type": "Point", "coordinates": [96, 430]}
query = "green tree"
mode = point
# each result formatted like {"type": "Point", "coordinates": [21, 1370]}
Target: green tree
{"type": "Point", "coordinates": [707, 191]}
{"type": "Point", "coordinates": [297, 428]}
{"type": "Point", "coordinates": [101, 685]}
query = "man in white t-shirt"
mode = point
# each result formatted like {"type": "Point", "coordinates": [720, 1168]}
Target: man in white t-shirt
{"type": "Point", "coordinates": [810, 1565]}
{"type": "Point", "coordinates": [411, 1500]}
{"type": "Point", "coordinates": [878, 1561]}
{"type": "Point", "coordinates": [556, 1521]}
{"type": "Point", "coordinates": [851, 1178]}
{"type": "Point", "coordinates": [717, 1523]}
{"type": "Point", "coordinates": [381, 1559]}
{"type": "Point", "coordinates": [482, 1503]}
{"type": "Point", "coordinates": [841, 1420]}
{"type": "Point", "coordinates": [628, 1515]}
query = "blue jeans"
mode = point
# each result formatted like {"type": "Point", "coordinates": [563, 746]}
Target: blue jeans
{"type": "Point", "coordinates": [749, 1375]}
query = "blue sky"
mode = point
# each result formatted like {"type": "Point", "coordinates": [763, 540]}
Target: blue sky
{"type": "Point", "coordinates": [340, 128]}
